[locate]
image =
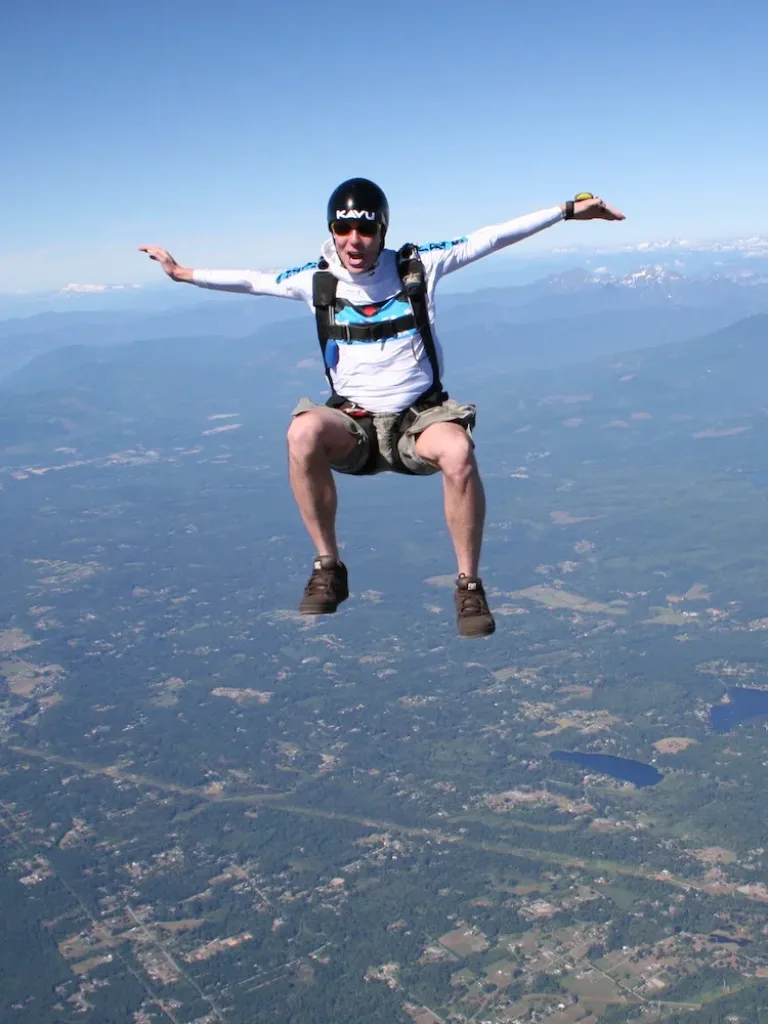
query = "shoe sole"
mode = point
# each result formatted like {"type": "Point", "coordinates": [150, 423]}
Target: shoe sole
{"type": "Point", "coordinates": [475, 633]}
{"type": "Point", "coordinates": [327, 610]}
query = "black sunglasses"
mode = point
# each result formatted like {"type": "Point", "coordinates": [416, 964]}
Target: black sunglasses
{"type": "Point", "coordinates": [369, 228]}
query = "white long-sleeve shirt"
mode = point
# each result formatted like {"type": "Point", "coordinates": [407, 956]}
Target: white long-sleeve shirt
{"type": "Point", "coordinates": [388, 375]}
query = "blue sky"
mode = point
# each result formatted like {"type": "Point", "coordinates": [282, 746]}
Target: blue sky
{"type": "Point", "coordinates": [219, 129]}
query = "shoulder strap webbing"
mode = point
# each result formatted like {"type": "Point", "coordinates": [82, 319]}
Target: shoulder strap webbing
{"type": "Point", "coordinates": [323, 299]}
{"type": "Point", "coordinates": [411, 271]}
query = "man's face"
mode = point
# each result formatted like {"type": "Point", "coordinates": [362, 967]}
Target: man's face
{"type": "Point", "coordinates": [358, 243]}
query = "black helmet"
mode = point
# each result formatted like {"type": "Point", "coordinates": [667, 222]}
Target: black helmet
{"type": "Point", "coordinates": [361, 199]}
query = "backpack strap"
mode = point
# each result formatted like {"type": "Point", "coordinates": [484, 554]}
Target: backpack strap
{"type": "Point", "coordinates": [410, 269]}
{"type": "Point", "coordinates": [324, 286]}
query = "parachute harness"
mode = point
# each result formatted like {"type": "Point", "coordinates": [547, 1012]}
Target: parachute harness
{"type": "Point", "coordinates": [411, 272]}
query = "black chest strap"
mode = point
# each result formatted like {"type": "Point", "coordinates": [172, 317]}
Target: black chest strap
{"type": "Point", "coordinates": [371, 332]}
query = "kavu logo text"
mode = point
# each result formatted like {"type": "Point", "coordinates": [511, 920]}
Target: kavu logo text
{"type": "Point", "coordinates": [355, 215]}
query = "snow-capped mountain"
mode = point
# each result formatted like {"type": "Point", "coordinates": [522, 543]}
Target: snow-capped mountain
{"type": "Point", "coordinates": [755, 245]}
{"type": "Point", "coordinates": [74, 288]}
{"type": "Point", "coordinates": [654, 277]}
{"type": "Point", "coordinates": [647, 268]}
{"type": "Point", "coordinates": [580, 278]}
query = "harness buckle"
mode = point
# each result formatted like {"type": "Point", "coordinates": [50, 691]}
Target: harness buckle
{"type": "Point", "coordinates": [356, 411]}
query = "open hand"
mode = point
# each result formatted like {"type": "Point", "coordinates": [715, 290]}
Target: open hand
{"type": "Point", "coordinates": [595, 209]}
{"type": "Point", "coordinates": [164, 258]}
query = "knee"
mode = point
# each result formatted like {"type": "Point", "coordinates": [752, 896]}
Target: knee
{"type": "Point", "coordinates": [457, 459]}
{"type": "Point", "coordinates": [305, 436]}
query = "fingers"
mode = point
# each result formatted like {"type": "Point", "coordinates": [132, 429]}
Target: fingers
{"type": "Point", "coordinates": [156, 252]}
{"type": "Point", "coordinates": [607, 212]}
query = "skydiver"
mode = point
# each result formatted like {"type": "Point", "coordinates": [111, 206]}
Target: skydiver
{"type": "Point", "coordinates": [375, 313]}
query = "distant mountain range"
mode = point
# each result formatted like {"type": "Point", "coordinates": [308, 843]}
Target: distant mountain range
{"type": "Point", "coordinates": [518, 265]}
{"type": "Point", "coordinates": [718, 375]}
{"type": "Point", "coordinates": [80, 392]}
{"type": "Point", "coordinates": [654, 276]}
{"type": "Point", "coordinates": [656, 282]}
{"type": "Point", "coordinates": [560, 319]}
{"type": "Point", "coordinates": [754, 245]}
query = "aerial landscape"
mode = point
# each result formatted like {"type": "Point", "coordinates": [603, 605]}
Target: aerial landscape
{"type": "Point", "coordinates": [214, 809]}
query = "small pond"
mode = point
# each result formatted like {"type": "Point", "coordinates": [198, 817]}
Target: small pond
{"type": "Point", "coordinates": [717, 937]}
{"type": "Point", "coordinates": [622, 768]}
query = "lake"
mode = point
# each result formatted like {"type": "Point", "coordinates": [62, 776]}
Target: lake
{"type": "Point", "coordinates": [623, 768]}
{"type": "Point", "coordinates": [717, 937]}
{"type": "Point", "coordinates": [743, 703]}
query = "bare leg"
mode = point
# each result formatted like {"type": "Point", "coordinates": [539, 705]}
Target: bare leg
{"type": "Point", "coordinates": [315, 438]}
{"type": "Point", "coordinates": [447, 445]}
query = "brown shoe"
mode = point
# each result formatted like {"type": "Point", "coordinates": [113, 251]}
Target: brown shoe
{"type": "Point", "coordinates": [326, 588]}
{"type": "Point", "coordinates": [472, 613]}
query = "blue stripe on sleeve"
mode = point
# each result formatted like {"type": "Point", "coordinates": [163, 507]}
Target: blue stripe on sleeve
{"type": "Point", "coordinates": [296, 270]}
{"type": "Point", "coordinates": [448, 244]}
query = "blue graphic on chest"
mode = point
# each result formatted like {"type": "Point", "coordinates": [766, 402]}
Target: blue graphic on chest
{"type": "Point", "coordinates": [373, 313]}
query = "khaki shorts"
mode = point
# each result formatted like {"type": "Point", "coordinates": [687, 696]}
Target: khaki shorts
{"type": "Point", "coordinates": [385, 424]}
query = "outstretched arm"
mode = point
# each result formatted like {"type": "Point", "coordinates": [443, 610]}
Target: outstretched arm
{"type": "Point", "coordinates": [445, 257]}
{"type": "Point", "coordinates": [286, 284]}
